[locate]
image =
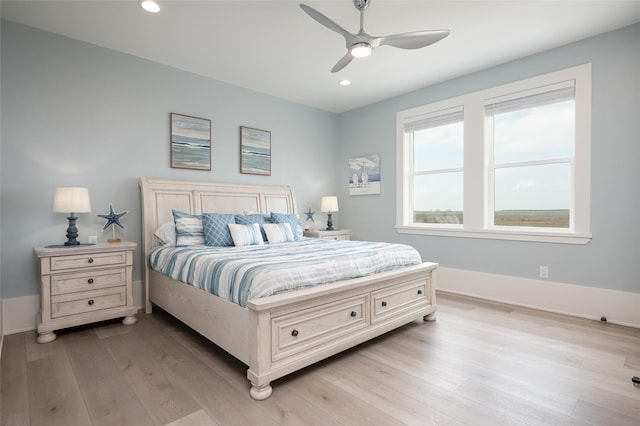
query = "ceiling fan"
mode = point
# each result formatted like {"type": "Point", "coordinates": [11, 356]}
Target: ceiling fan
{"type": "Point", "coordinates": [361, 44]}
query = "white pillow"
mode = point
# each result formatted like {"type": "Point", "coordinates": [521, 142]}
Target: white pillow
{"type": "Point", "coordinates": [246, 235]}
{"type": "Point", "coordinates": [278, 232]}
{"type": "Point", "coordinates": [166, 234]}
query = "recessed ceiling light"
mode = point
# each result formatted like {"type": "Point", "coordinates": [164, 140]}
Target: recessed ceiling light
{"type": "Point", "coordinates": [150, 6]}
{"type": "Point", "coordinates": [345, 82]}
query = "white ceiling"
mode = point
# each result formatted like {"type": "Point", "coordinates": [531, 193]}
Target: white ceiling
{"type": "Point", "coordinates": [275, 48]}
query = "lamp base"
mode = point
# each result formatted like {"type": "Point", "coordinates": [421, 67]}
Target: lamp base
{"type": "Point", "coordinates": [72, 235]}
{"type": "Point", "coordinates": [72, 231]}
{"type": "Point", "coordinates": [329, 222]}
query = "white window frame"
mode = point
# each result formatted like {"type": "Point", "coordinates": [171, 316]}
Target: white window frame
{"type": "Point", "coordinates": [477, 159]}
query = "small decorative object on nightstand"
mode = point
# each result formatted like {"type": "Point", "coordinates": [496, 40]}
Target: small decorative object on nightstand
{"type": "Point", "coordinates": [112, 218]}
{"type": "Point", "coordinates": [309, 214]}
{"type": "Point", "coordinates": [337, 234]}
{"type": "Point", "coordinates": [329, 205]}
{"type": "Point", "coordinates": [71, 200]}
{"type": "Point", "coordinates": [84, 284]}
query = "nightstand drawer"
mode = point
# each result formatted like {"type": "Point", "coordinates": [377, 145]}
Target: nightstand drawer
{"type": "Point", "coordinates": [78, 303]}
{"type": "Point", "coordinates": [396, 299]}
{"type": "Point", "coordinates": [339, 234]}
{"type": "Point", "coordinates": [336, 237]}
{"type": "Point", "coordinates": [86, 281]}
{"type": "Point", "coordinates": [88, 260]}
{"type": "Point", "coordinates": [299, 331]}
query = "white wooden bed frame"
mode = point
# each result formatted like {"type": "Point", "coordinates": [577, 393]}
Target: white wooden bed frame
{"type": "Point", "coordinates": [280, 334]}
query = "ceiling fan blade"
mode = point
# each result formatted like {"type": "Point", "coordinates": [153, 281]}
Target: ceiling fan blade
{"type": "Point", "coordinates": [413, 40]}
{"type": "Point", "coordinates": [320, 18]}
{"type": "Point", "coordinates": [343, 62]}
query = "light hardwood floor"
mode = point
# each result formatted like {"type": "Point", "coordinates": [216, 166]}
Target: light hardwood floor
{"type": "Point", "coordinates": [480, 364]}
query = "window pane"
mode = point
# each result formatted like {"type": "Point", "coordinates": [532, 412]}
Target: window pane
{"type": "Point", "coordinates": [438, 148]}
{"type": "Point", "coordinates": [537, 133]}
{"type": "Point", "coordinates": [438, 198]}
{"type": "Point", "coordinates": [533, 196]}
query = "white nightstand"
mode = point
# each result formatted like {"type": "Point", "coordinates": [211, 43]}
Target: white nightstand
{"type": "Point", "coordinates": [84, 284]}
{"type": "Point", "coordinates": [338, 234]}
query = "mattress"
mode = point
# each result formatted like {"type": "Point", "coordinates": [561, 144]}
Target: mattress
{"type": "Point", "coordinates": [239, 274]}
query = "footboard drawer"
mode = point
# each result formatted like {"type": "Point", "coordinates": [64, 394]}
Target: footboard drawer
{"type": "Point", "coordinates": [397, 299]}
{"type": "Point", "coordinates": [302, 330]}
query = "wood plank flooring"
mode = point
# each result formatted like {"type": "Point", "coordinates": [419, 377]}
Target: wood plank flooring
{"type": "Point", "coordinates": [479, 364]}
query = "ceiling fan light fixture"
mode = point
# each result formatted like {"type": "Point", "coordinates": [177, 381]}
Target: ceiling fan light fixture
{"type": "Point", "coordinates": [361, 50]}
{"type": "Point", "coordinates": [150, 6]}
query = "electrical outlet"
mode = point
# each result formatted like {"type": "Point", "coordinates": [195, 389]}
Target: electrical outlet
{"type": "Point", "coordinates": [544, 272]}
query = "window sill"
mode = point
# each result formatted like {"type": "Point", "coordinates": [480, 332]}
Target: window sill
{"type": "Point", "coordinates": [543, 237]}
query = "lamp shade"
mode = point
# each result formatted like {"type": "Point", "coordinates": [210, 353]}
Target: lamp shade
{"type": "Point", "coordinates": [71, 200]}
{"type": "Point", "coordinates": [329, 204]}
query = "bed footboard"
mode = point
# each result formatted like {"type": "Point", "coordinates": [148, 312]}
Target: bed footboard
{"type": "Point", "coordinates": [289, 332]}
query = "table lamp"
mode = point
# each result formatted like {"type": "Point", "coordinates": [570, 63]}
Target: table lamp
{"type": "Point", "coordinates": [328, 205]}
{"type": "Point", "coordinates": [71, 200]}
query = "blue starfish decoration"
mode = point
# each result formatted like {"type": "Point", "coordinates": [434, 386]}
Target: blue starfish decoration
{"type": "Point", "coordinates": [310, 215]}
{"type": "Point", "coordinates": [113, 218]}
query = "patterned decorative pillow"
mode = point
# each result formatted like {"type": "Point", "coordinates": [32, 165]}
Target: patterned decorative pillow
{"type": "Point", "coordinates": [250, 218]}
{"type": "Point", "coordinates": [246, 235]}
{"type": "Point", "coordinates": [189, 230]}
{"type": "Point", "coordinates": [292, 219]}
{"type": "Point", "coordinates": [278, 233]}
{"type": "Point", "coordinates": [216, 229]}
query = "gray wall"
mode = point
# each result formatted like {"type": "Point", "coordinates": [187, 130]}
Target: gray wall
{"type": "Point", "coordinates": [612, 259]}
{"type": "Point", "coordinates": [79, 115]}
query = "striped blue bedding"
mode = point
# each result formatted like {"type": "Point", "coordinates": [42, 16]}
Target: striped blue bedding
{"type": "Point", "coordinates": [239, 274]}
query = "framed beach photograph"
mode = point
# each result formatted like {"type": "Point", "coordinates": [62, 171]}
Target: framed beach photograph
{"type": "Point", "coordinates": [364, 175]}
{"type": "Point", "coordinates": [190, 142]}
{"type": "Point", "coordinates": [255, 151]}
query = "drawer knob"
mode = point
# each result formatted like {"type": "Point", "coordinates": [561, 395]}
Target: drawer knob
{"type": "Point", "coordinates": [294, 333]}
{"type": "Point", "coordinates": [90, 280]}
{"type": "Point", "coordinates": [90, 302]}
{"type": "Point", "coordinates": [419, 291]}
{"type": "Point", "coordinates": [90, 260]}
{"type": "Point", "coordinates": [384, 303]}
{"type": "Point", "coordinates": [353, 313]}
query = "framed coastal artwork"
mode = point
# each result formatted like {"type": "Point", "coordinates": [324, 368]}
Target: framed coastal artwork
{"type": "Point", "coordinates": [255, 151]}
{"type": "Point", "coordinates": [190, 142]}
{"type": "Point", "coordinates": [364, 175]}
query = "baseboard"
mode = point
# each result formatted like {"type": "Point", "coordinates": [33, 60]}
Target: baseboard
{"type": "Point", "coordinates": [19, 313]}
{"type": "Point", "coordinates": [618, 307]}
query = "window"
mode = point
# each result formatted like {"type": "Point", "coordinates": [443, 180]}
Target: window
{"type": "Point", "coordinates": [510, 162]}
{"type": "Point", "coordinates": [437, 166]}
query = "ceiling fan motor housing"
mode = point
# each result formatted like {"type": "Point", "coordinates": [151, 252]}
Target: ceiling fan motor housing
{"type": "Point", "coordinates": [361, 4]}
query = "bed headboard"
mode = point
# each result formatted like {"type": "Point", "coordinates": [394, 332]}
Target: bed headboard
{"type": "Point", "coordinates": [160, 196]}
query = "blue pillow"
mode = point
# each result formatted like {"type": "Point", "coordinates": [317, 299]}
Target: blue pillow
{"type": "Point", "coordinates": [248, 219]}
{"type": "Point", "coordinates": [292, 220]}
{"type": "Point", "coordinates": [188, 229]}
{"type": "Point", "coordinates": [216, 229]}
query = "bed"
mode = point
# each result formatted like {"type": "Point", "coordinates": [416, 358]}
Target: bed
{"type": "Point", "coordinates": [282, 333]}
